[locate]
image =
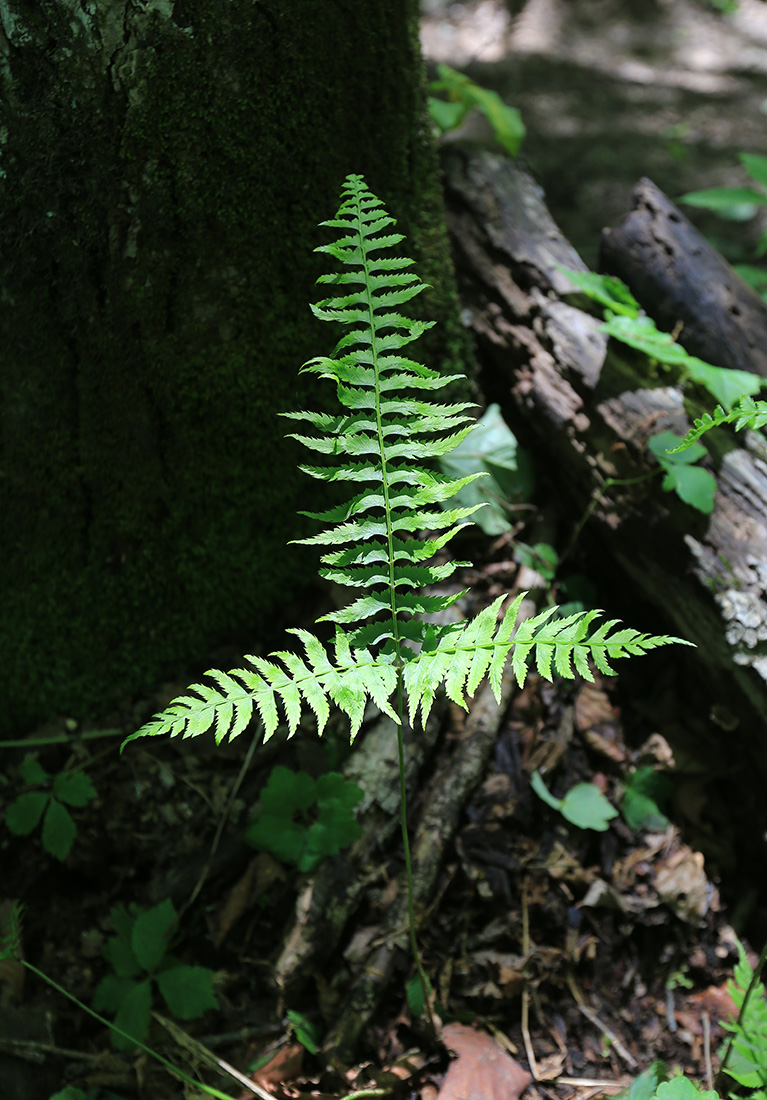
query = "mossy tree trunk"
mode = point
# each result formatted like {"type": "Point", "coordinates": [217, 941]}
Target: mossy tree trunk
{"type": "Point", "coordinates": [163, 167]}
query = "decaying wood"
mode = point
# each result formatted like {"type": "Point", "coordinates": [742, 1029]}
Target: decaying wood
{"type": "Point", "coordinates": [589, 410]}
{"type": "Point", "coordinates": [459, 769]}
{"type": "Point", "coordinates": [680, 279]}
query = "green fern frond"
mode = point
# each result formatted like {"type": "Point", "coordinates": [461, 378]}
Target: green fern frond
{"type": "Point", "coordinates": [747, 413]}
{"type": "Point", "coordinates": [468, 652]}
{"type": "Point", "coordinates": [383, 542]}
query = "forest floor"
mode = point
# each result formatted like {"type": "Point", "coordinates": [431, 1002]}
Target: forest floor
{"type": "Point", "coordinates": [580, 957]}
{"type": "Point", "coordinates": [564, 960]}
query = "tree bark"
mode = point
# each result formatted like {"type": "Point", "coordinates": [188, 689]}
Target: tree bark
{"type": "Point", "coordinates": [589, 409]}
{"type": "Point", "coordinates": [163, 168]}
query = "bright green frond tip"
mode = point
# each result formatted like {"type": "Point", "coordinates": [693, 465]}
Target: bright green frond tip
{"type": "Point", "coordinates": [747, 413]}
{"type": "Point", "coordinates": [385, 542]}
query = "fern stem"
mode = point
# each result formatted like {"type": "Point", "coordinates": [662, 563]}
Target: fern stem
{"type": "Point", "coordinates": [395, 628]}
{"type": "Point", "coordinates": [408, 863]}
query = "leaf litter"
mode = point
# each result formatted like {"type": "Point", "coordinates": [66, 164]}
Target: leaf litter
{"type": "Point", "coordinates": [585, 955]}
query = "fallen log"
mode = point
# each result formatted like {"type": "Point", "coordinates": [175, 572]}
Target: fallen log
{"type": "Point", "coordinates": [680, 280]}
{"type": "Point", "coordinates": [588, 409]}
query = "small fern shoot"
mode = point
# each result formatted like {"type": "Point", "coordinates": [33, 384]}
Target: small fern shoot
{"type": "Point", "coordinates": [382, 543]}
{"type": "Point", "coordinates": [747, 413]}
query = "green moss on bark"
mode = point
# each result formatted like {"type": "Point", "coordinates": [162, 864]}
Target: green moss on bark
{"type": "Point", "coordinates": [161, 175]}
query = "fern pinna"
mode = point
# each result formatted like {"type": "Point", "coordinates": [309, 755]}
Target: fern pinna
{"type": "Point", "coordinates": [383, 439]}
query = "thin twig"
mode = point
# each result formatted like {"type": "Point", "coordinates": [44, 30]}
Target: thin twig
{"type": "Point", "coordinates": [33, 1051]}
{"type": "Point", "coordinates": [197, 1050]}
{"type": "Point", "coordinates": [589, 1082]}
{"type": "Point", "coordinates": [706, 1019]}
{"type": "Point", "coordinates": [625, 1054]}
{"type": "Point", "coordinates": [525, 992]}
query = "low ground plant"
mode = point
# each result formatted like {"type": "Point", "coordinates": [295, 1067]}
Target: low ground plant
{"type": "Point", "coordinates": [50, 805]}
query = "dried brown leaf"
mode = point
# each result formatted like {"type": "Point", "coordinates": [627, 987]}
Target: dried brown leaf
{"type": "Point", "coordinates": [481, 1070]}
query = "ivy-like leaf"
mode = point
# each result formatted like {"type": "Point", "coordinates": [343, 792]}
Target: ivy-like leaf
{"type": "Point", "coordinates": [74, 788]}
{"type": "Point", "coordinates": [187, 990]}
{"type": "Point", "coordinates": [23, 815]}
{"type": "Point", "coordinates": [150, 935]}
{"type": "Point", "coordinates": [59, 830]}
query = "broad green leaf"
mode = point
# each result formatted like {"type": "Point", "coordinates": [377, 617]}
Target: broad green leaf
{"type": "Point", "coordinates": [506, 121]}
{"type": "Point", "coordinates": [447, 114]}
{"type": "Point", "coordinates": [150, 938]}
{"type": "Point", "coordinates": [119, 953]}
{"type": "Point", "coordinates": [416, 998]}
{"type": "Point", "coordinates": [23, 815]}
{"type": "Point", "coordinates": [646, 1084]}
{"type": "Point", "coordinates": [74, 788]}
{"type": "Point", "coordinates": [608, 290]}
{"type": "Point", "coordinates": [693, 485]}
{"type": "Point", "coordinates": [111, 992]}
{"type": "Point", "coordinates": [69, 1093]}
{"type": "Point", "coordinates": [306, 1031]}
{"type": "Point", "coordinates": [756, 166]}
{"type": "Point", "coordinates": [187, 991]}
{"type": "Point", "coordinates": [664, 444]}
{"type": "Point", "coordinates": [335, 830]}
{"type": "Point", "coordinates": [682, 1088]}
{"type": "Point", "coordinates": [646, 792]}
{"type": "Point", "coordinates": [32, 772]}
{"type": "Point", "coordinates": [507, 124]}
{"type": "Point", "coordinates": [288, 792]}
{"type": "Point", "coordinates": [725, 198]}
{"type": "Point", "coordinates": [59, 830]}
{"type": "Point", "coordinates": [585, 806]}
{"type": "Point", "coordinates": [283, 838]}
{"type": "Point", "coordinates": [543, 792]}
{"type": "Point", "coordinates": [335, 791]}
{"type": "Point", "coordinates": [725, 386]}
{"type": "Point", "coordinates": [134, 1015]}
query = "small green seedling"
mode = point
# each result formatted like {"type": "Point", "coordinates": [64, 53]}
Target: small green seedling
{"type": "Point", "coordinates": [462, 96]}
{"type": "Point", "coordinates": [692, 484]}
{"type": "Point", "coordinates": [584, 804]}
{"type": "Point", "coordinates": [139, 956]}
{"type": "Point", "coordinates": [304, 820]}
{"type": "Point", "coordinates": [645, 795]}
{"type": "Point", "coordinates": [65, 789]}
{"type": "Point", "coordinates": [306, 1031]}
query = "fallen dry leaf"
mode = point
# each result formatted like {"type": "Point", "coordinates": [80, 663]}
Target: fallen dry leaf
{"type": "Point", "coordinates": [481, 1070]}
{"type": "Point", "coordinates": [260, 874]}
{"type": "Point", "coordinates": [285, 1064]}
{"type": "Point", "coordinates": [681, 882]}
